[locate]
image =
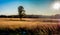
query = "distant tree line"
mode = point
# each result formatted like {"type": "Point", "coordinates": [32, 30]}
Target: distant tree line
{"type": "Point", "coordinates": [29, 16]}
{"type": "Point", "coordinates": [17, 16]}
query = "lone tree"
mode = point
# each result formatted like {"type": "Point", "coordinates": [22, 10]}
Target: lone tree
{"type": "Point", "coordinates": [21, 12]}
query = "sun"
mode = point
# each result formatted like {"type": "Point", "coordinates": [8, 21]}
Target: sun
{"type": "Point", "coordinates": [56, 5]}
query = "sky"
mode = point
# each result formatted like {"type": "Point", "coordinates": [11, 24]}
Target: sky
{"type": "Point", "coordinates": [31, 7]}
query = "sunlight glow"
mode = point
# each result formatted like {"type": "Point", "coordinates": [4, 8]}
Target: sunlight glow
{"type": "Point", "coordinates": [56, 6]}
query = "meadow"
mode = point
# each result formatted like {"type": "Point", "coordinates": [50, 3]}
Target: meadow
{"type": "Point", "coordinates": [29, 26]}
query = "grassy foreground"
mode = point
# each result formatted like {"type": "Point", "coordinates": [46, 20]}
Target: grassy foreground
{"type": "Point", "coordinates": [37, 26]}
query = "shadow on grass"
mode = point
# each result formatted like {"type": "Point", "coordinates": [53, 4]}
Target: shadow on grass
{"type": "Point", "coordinates": [15, 20]}
{"type": "Point", "coordinates": [49, 21]}
{"type": "Point", "coordinates": [35, 20]}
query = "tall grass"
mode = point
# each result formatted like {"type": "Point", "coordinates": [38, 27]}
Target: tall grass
{"type": "Point", "coordinates": [44, 29]}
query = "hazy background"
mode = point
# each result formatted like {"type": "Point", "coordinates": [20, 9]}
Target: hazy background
{"type": "Point", "coordinates": [32, 7]}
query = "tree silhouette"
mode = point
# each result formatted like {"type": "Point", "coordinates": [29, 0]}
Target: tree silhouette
{"type": "Point", "coordinates": [21, 12]}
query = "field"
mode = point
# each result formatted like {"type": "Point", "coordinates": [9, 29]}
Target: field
{"type": "Point", "coordinates": [29, 26]}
